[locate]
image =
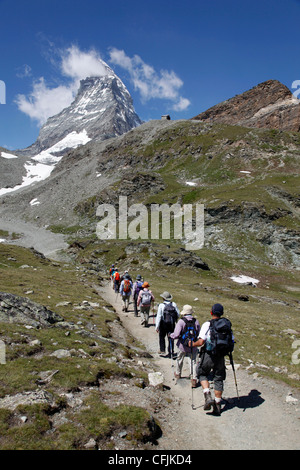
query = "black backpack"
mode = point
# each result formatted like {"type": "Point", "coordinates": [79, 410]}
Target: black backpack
{"type": "Point", "coordinates": [189, 333]}
{"type": "Point", "coordinates": [170, 314]}
{"type": "Point", "coordinates": [220, 337]}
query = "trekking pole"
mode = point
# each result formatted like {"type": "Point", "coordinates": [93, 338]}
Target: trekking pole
{"type": "Point", "coordinates": [233, 370]}
{"type": "Point", "coordinates": [192, 376]}
{"type": "Point", "coordinates": [171, 350]}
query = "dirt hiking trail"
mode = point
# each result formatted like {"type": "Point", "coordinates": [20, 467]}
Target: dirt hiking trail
{"type": "Point", "coordinates": [260, 420]}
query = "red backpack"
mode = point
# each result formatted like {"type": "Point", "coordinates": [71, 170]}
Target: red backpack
{"type": "Point", "coordinates": [126, 287]}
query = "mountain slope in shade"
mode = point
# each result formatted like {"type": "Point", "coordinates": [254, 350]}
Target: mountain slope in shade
{"type": "Point", "coordinates": [268, 105]}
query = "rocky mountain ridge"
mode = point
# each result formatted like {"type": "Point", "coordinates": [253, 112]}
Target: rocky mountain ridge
{"type": "Point", "coordinates": [268, 105]}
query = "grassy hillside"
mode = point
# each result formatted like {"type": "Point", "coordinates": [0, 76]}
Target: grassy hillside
{"type": "Point", "coordinates": [87, 334]}
{"type": "Point", "coordinates": [247, 180]}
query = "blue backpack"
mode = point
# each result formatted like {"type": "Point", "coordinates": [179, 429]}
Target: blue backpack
{"type": "Point", "coordinates": [189, 332]}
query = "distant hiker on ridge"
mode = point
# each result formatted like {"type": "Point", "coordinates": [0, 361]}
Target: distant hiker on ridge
{"type": "Point", "coordinates": [144, 301]}
{"type": "Point", "coordinates": [166, 318]}
{"type": "Point", "coordinates": [186, 329]}
{"type": "Point", "coordinates": [217, 338]}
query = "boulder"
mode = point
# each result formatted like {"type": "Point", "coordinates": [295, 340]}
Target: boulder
{"type": "Point", "coordinates": [15, 309]}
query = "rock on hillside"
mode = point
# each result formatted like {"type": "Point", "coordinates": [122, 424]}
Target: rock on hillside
{"type": "Point", "coordinates": [268, 105]}
{"type": "Point", "coordinates": [15, 309]}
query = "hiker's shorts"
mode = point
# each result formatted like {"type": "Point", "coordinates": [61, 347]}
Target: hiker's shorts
{"type": "Point", "coordinates": [216, 365]}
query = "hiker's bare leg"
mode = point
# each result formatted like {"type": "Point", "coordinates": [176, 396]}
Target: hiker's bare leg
{"type": "Point", "coordinates": [204, 384]}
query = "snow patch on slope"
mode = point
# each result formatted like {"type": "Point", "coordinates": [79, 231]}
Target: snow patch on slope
{"type": "Point", "coordinates": [40, 166]}
{"type": "Point", "coordinates": [7, 155]}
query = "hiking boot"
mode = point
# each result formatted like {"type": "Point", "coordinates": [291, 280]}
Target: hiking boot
{"type": "Point", "coordinates": [217, 408]}
{"type": "Point", "coordinates": [194, 383]}
{"type": "Point", "coordinates": [208, 401]}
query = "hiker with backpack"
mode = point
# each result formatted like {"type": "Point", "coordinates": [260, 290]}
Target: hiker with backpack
{"type": "Point", "coordinates": [116, 280]}
{"type": "Point", "coordinates": [137, 287]}
{"type": "Point", "coordinates": [217, 341]}
{"type": "Point", "coordinates": [166, 318]}
{"type": "Point", "coordinates": [145, 298]}
{"type": "Point", "coordinates": [187, 329]}
{"type": "Point", "coordinates": [111, 273]}
{"type": "Point", "coordinates": [124, 275]}
{"type": "Point", "coordinates": [125, 291]}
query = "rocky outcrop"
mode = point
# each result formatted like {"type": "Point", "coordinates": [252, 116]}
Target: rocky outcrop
{"type": "Point", "coordinates": [279, 243]}
{"type": "Point", "coordinates": [134, 186]}
{"type": "Point", "coordinates": [15, 309]}
{"type": "Point", "coordinates": [184, 259]}
{"type": "Point", "coordinates": [268, 105]}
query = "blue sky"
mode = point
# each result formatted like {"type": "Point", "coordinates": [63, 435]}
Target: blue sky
{"type": "Point", "coordinates": [174, 56]}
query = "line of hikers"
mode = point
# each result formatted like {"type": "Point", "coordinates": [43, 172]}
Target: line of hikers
{"type": "Point", "coordinates": [142, 296]}
{"type": "Point", "coordinates": [215, 337]}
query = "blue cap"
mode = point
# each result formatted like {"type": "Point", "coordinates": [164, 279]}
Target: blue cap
{"type": "Point", "coordinates": [217, 309]}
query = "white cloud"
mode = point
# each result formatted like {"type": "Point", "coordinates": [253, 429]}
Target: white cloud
{"type": "Point", "coordinates": [24, 71]}
{"type": "Point", "coordinates": [78, 65]}
{"type": "Point", "coordinates": [44, 101]}
{"type": "Point", "coordinates": [182, 104]}
{"type": "Point", "coordinates": [149, 83]}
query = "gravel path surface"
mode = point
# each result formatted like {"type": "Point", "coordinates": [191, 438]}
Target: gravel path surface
{"type": "Point", "coordinates": [44, 241]}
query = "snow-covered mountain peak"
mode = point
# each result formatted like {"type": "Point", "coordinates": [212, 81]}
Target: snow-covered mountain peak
{"type": "Point", "coordinates": [102, 108]}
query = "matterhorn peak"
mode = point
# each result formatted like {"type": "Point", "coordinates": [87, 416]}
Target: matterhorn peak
{"type": "Point", "coordinates": [102, 108]}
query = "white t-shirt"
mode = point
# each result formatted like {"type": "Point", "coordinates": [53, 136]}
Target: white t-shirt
{"type": "Point", "coordinates": [204, 331]}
